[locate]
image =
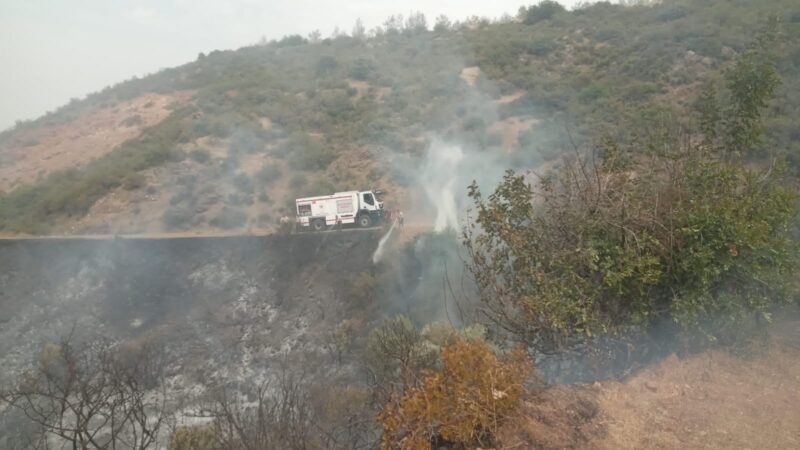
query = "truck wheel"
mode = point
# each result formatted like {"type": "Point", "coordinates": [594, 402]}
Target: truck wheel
{"type": "Point", "coordinates": [364, 221]}
{"type": "Point", "coordinates": [318, 224]}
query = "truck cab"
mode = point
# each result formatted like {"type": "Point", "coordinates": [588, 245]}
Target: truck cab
{"type": "Point", "coordinates": [371, 210]}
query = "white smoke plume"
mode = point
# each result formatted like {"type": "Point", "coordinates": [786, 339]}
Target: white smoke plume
{"type": "Point", "coordinates": [440, 181]}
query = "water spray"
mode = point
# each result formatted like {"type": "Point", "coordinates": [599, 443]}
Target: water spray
{"type": "Point", "coordinates": [376, 257]}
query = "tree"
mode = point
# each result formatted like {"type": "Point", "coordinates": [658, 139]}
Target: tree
{"type": "Point", "coordinates": [752, 82]}
{"type": "Point", "coordinates": [461, 406]}
{"type": "Point", "coordinates": [91, 398]}
{"type": "Point", "coordinates": [315, 37]}
{"type": "Point", "coordinates": [416, 22]}
{"type": "Point", "coordinates": [280, 418]}
{"type": "Point", "coordinates": [326, 65]}
{"type": "Point", "coordinates": [633, 236]}
{"type": "Point", "coordinates": [359, 32]}
{"type": "Point", "coordinates": [544, 10]}
{"type": "Point", "coordinates": [396, 354]}
{"type": "Point", "coordinates": [288, 413]}
{"type": "Point", "coordinates": [343, 335]}
{"type": "Point", "coordinates": [393, 24]}
{"type": "Point", "coordinates": [362, 68]}
{"type": "Point", "coordinates": [442, 24]}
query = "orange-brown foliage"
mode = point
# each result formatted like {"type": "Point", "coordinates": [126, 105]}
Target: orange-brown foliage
{"type": "Point", "coordinates": [462, 405]}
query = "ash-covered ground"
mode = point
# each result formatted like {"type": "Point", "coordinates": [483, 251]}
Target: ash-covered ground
{"type": "Point", "coordinates": [226, 310]}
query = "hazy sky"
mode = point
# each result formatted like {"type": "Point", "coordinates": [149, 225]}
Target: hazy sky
{"type": "Point", "coordinates": [53, 50]}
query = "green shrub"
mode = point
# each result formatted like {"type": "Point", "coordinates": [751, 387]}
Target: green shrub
{"type": "Point", "coordinates": [178, 218]}
{"type": "Point", "coordinates": [543, 46]}
{"type": "Point", "coordinates": [134, 181]}
{"type": "Point", "coordinates": [268, 173]}
{"type": "Point", "coordinates": [132, 121]}
{"type": "Point", "coordinates": [246, 141]}
{"type": "Point", "coordinates": [545, 10]}
{"type": "Point", "coordinates": [362, 290]}
{"type": "Point", "coordinates": [298, 181]}
{"type": "Point", "coordinates": [673, 12]}
{"type": "Point", "coordinates": [362, 68]}
{"type": "Point", "coordinates": [230, 164]}
{"type": "Point", "coordinates": [201, 437]}
{"type": "Point", "coordinates": [689, 238]}
{"type": "Point", "coordinates": [229, 218]}
{"type": "Point", "coordinates": [200, 155]}
{"type": "Point", "coordinates": [325, 65]}
{"type": "Point", "coordinates": [594, 91]}
{"type": "Point", "coordinates": [243, 183]}
{"type": "Point", "coordinates": [308, 154]}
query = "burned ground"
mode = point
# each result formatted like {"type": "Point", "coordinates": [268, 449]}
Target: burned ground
{"type": "Point", "coordinates": [226, 309]}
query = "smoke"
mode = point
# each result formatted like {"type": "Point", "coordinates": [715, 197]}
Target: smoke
{"type": "Point", "coordinates": [439, 180]}
{"type": "Point", "coordinates": [443, 177]}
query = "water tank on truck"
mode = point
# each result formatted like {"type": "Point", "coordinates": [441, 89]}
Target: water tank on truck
{"type": "Point", "coordinates": [351, 208]}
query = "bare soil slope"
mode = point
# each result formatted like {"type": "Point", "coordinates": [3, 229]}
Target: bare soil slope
{"type": "Point", "coordinates": [712, 400]}
{"type": "Point", "coordinates": [36, 152]}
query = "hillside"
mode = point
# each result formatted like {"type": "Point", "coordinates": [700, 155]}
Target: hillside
{"type": "Point", "coordinates": [235, 312]}
{"type": "Point", "coordinates": [600, 247]}
{"type": "Point", "coordinates": [227, 141]}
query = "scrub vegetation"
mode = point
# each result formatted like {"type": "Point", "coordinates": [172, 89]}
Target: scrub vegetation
{"type": "Point", "coordinates": [660, 211]}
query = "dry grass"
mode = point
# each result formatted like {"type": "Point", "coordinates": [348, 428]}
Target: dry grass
{"type": "Point", "coordinates": [712, 400]}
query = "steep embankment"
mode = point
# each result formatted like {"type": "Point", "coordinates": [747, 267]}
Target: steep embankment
{"type": "Point", "coordinates": [225, 308]}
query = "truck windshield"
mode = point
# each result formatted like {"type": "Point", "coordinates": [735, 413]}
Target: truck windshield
{"type": "Point", "coordinates": [368, 199]}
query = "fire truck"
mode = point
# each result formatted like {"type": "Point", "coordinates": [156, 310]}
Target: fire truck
{"type": "Point", "coordinates": [352, 208]}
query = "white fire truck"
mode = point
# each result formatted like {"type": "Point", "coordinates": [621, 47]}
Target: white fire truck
{"type": "Point", "coordinates": [364, 208]}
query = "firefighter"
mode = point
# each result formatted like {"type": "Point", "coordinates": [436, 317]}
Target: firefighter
{"type": "Point", "coordinates": [400, 218]}
{"type": "Point", "coordinates": [286, 224]}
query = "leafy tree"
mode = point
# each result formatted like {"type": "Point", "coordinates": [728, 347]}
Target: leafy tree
{"type": "Point", "coordinates": [315, 37]}
{"type": "Point", "coordinates": [544, 10]}
{"type": "Point", "coordinates": [416, 22]}
{"type": "Point", "coordinates": [630, 238]}
{"type": "Point", "coordinates": [309, 154]}
{"type": "Point", "coordinates": [442, 24]}
{"type": "Point", "coordinates": [200, 155]}
{"type": "Point", "coordinates": [362, 68]}
{"type": "Point", "coordinates": [268, 173]}
{"type": "Point", "coordinates": [243, 183]}
{"type": "Point", "coordinates": [396, 354]}
{"type": "Point", "coordinates": [752, 82]}
{"type": "Point", "coordinates": [359, 32]}
{"type": "Point", "coordinates": [291, 41]}
{"type": "Point", "coordinates": [326, 65]}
